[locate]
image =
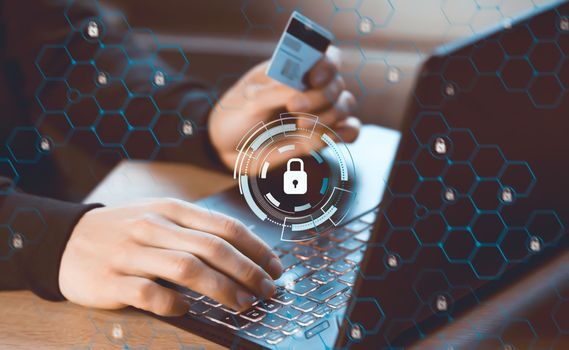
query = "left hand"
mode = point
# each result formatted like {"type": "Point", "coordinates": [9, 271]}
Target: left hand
{"type": "Point", "coordinates": [256, 97]}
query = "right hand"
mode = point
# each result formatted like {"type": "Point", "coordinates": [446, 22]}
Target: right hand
{"type": "Point", "coordinates": [115, 254]}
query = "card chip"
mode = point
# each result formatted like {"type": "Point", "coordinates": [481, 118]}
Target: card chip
{"type": "Point", "coordinates": [290, 70]}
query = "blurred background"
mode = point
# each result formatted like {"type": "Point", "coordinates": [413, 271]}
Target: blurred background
{"type": "Point", "coordinates": [383, 41]}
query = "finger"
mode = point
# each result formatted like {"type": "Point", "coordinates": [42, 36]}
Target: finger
{"type": "Point", "coordinates": [348, 129]}
{"type": "Point", "coordinates": [344, 107]}
{"type": "Point", "coordinates": [189, 271]}
{"type": "Point", "coordinates": [325, 70]}
{"type": "Point", "coordinates": [211, 249]}
{"type": "Point", "coordinates": [316, 100]}
{"type": "Point", "coordinates": [147, 295]}
{"type": "Point", "coordinates": [233, 231]}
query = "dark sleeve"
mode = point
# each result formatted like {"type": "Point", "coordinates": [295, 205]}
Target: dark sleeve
{"type": "Point", "coordinates": [33, 234]}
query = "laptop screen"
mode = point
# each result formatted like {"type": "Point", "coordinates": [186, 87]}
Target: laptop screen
{"type": "Point", "coordinates": [478, 186]}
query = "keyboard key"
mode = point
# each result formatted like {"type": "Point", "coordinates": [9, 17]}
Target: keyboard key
{"type": "Point", "coordinates": [231, 311]}
{"type": "Point", "coordinates": [296, 273]}
{"type": "Point", "coordinates": [363, 236]}
{"type": "Point", "coordinates": [191, 294]}
{"type": "Point", "coordinates": [321, 310]}
{"type": "Point", "coordinates": [226, 319]}
{"type": "Point", "coordinates": [302, 287]}
{"type": "Point", "coordinates": [351, 244]}
{"type": "Point", "coordinates": [274, 338]}
{"type": "Point", "coordinates": [269, 306]}
{"type": "Point", "coordinates": [283, 297]}
{"type": "Point", "coordinates": [340, 267]}
{"type": "Point", "coordinates": [288, 261]}
{"type": "Point", "coordinates": [322, 326]}
{"type": "Point", "coordinates": [349, 278]}
{"type": "Point", "coordinates": [340, 235]}
{"type": "Point", "coordinates": [316, 263]}
{"type": "Point", "coordinates": [304, 305]}
{"type": "Point", "coordinates": [211, 302]}
{"type": "Point", "coordinates": [322, 243]}
{"type": "Point", "coordinates": [333, 254]}
{"type": "Point", "coordinates": [322, 276]}
{"type": "Point", "coordinates": [304, 252]}
{"type": "Point", "coordinates": [199, 308]}
{"type": "Point", "coordinates": [288, 313]}
{"type": "Point", "coordinates": [285, 247]}
{"type": "Point", "coordinates": [355, 257]}
{"type": "Point", "coordinates": [306, 320]}
{"type": "Point", "coordinates": [327, 291]}
{"type": "Point", "coordinates": [290, 328]}
{"type": "Point", "coordinates": [356, 226]}
{"type": "Point", "coordinates": [253, 314]}
{"type": "Point", "coordinates": [273, 322]}
{"type": "Point", "coordinates": [338, 301]}
{"type": "Point", "coordinates": [257, 330]}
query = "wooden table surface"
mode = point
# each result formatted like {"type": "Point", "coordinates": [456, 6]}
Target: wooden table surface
{"type": "Point", "coordinates": [28, 322]}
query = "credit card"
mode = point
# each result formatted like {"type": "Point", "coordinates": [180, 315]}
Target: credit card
{"type": "Point", "coordinates": [301, 45]}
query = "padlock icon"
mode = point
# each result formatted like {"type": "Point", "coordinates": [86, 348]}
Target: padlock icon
{"type": "Point", "coordinates": [187, 128]}
{"type": "Point", "coordinates": [45, 144]}
{"type": "Point", "coordinates": [159, 78]}
{"type": "Point", "coordinates": [393, 75]}
{"type": "Point", "coordinates": [507, 195]}
{"type": "Point", "coordinates": [442, 303]}
{"type": "Point", "coordinates": [17, 241]}
{"type": "Point", "coordinates": [534, 244]}
{"type": "Point", "coordinates": [102, 78]}
{"type": "Point", "coordinates": [392, 261]}
{"type": "Point", "coordinates": [450, 90]}
{"type": "Point", "coordinates": [564, 24]}
{"type": "Point", "coordinates": [117, 331]}
{"type": "Point", "coordinates": [93, 29]}
{"type": "Point", "coordinates": [295, 181]}
{"type": "Point", "coordinates": [356, 332]}
{"type": "Point", "coordinates": [450, 195]}
{"type": "Point", "coordinates": [440, 146]}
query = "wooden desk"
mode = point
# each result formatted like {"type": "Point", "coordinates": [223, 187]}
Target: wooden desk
{"type": "Point", "coordinates": [28, 322]}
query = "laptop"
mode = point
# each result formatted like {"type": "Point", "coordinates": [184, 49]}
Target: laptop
{"type": "Point", "coordinates": [471, 196]}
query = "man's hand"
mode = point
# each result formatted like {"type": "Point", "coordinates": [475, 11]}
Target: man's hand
{"type": "Point", "coordinates": [256, 97]}
{"type": "Point", "coordinates": [115, 254]}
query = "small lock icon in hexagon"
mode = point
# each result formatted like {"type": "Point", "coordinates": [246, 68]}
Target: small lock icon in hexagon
{"type": "Point", "coordinates": [295, 181]}
{"type": "Point", "coordinates": [93, 29]}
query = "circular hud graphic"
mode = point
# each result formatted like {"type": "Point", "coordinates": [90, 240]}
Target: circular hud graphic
{"type": "Point", "coordinates": [296, 173]}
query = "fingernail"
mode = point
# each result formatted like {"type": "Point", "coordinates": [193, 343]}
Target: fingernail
{"type": "Point", "coordinates": [267, 288]}
{"type": "Point", "coordinates": [299, 104]}
{"type": "Point", "coordinates": [274, 268]}
{"type": "Point", "coordinates": [244, 299]}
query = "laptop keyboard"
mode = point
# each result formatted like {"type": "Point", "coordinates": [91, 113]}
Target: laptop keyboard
{"type": "Point", "coordinates": [317, 281]}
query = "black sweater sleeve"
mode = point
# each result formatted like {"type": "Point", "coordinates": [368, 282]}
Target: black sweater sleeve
{"type": "Point", "coordinates": [33, 234]}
